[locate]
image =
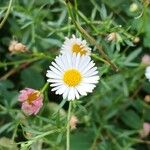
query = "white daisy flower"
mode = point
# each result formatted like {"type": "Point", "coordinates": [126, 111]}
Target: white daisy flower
{"type": "Point", "coordinates": [75, 45]}
{"type": "Point", "coordinates": [72, 75]}
{"type": "Point", "coordinates": [147, 73]}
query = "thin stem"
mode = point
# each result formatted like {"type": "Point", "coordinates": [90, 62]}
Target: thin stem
{"type": "Point", "coordinates": [60, 106]}
{"type": "Point", "coordinates": [6, 15]}
{"type": "Point", "coordinates": [44, 87]}
{"type": "Point", "coordinates": [68, 127]}
{"type": "Point", "coordinates": [4, 64]}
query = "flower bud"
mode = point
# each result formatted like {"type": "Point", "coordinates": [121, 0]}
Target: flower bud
{"type": "Point", "coordinates": [111, 36]}
{"type": "Point", "coordinates": [146, 130]}
{"type": "Point", "coordinates": [133, 7]}
{"type": "Point", "coordinates": [147, 98]}
{"type": "Point", "coordinates": [73, 122]}
{"type": "Point", "coordinates": [146, 59]}
{"type": "Point", "coordinates": [16, 47]}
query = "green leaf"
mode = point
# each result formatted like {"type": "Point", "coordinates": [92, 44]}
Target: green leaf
{"type": "Point", "coordinates": [133, 55]}
{"type": "Point", "coordinates": [32, 78]}
{"type": "Point", "coordinates": [81, 140]}
{"type": "Point", "coordinates": [131, 119]}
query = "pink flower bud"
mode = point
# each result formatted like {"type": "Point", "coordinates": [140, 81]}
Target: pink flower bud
{"type": "Point", "coordinates": [146, 130]}
{"type": "Point", "coordinates": [31, 100]}
{"type": "Point", "coordinates": [146, 59]}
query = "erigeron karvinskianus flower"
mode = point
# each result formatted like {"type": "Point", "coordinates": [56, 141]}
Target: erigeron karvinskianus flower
{"type": "Point", "coordinates": [75, 45]}
{"type": "Point", "coordinates": [32, 101]}
{"type": "Point", "coordinates": [147, 73]}
{"type": "Point", "coordinates": [72, 75]}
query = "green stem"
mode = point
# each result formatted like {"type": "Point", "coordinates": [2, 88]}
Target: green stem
{"type": "Point", "coordinates": [44, 87]}
{"type": "Point", "coordinates": [60, 106]}
{"type": "Point", "coordinates": [68, 127]}
{"type": "Point", "coordinates": [6, 15]}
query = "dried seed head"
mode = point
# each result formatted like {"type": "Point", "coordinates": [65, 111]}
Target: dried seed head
{"type": "Point", "coordinates": [147, 98]}
{"type": "Point", "coordinates": [136, 40]}
{"type": "Point", "coordinates": [15, 47]}
{"type": "Point", "coordinates": [112, 36]}
{"type": "Point", "coordinates": [73, 122]}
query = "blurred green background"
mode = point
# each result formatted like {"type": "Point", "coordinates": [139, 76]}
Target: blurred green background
{"type": "Point", "coordinates": [111, 117]}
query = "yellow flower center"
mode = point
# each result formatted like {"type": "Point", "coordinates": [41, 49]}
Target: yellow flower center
{"type": "Point", "coordinates": [76, 48]}
{"type": "Point", "coordinates": [33, 96]}
{"type": "Point", "coordinates": [72, 77]}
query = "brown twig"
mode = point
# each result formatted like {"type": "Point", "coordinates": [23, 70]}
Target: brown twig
{"type": "Point", "coordinates": [14, 70]}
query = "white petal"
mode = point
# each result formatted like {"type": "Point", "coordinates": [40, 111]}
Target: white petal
{"type": "Point", "coordinates": [61, 90]}
{"type": "Point", "coordinates": [60, 63]}
{"type": "Point", "coordinates": [89, 66]}
{"type": "Point", "coordinates": [56, 88]}
{"type": "Point", "coordinates": [89, 74]}
{"type": "Point", "coordinates": [81, 90]}
{"type": "Point", "coordinates": [57, 67]}
{"type": "Point", "coordinates": [84, 63]}
{"type": "Point", "coordinates": [54, 81]}
{"type": "Point", "coordinates": [76, 93]}
{"type": "Point", "coordinates": [55, 70]}
{"type": "Point", "coordinates": [66, 93]}
{"type": "Point", "coordinates": [88, 87]}
{"type": "Point", "coordinates": [93, 79]}
{"type": "Point", "coordinates": [56, 84]}
{"type": "Point", "coordinates": [71, 94]}
{"type": "Point", "coordinates": [51, 74]}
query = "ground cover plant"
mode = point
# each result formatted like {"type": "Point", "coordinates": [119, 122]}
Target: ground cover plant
{"type": "Point", "coordinates": [74, 74]}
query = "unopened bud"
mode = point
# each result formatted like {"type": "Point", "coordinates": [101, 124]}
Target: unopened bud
{"type": "Point", "coordinates": [111, 36]}
{"type": "Point", "coordinates": [73, 122]}
{"type": "Point", "coordinates": [146, 59]}
{"type": "Point", "coordinates": [146, 130]}
{"type": "Point", "coordinates": [136, 40]}
{"type": "Point", "coordinates": [147, 98]}
{"type": "Point", "coordinates": [133, 7]}
{"type": "Point", "coordinates": [15, 47]}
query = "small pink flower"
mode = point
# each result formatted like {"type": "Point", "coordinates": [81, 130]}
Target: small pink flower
{"type": "Point", "coordinates": [146, 59]}
{"type": "Point", "coordinates": [146, 130]}
{"type": "Point", "coordinates": [31, 100]}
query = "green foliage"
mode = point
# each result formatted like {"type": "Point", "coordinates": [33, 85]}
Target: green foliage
{"type": "Point", "coordinates": [112, 116]}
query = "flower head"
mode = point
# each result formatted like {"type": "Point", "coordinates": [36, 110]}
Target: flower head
{"type": "Point", "coordinates": [72, 75]}
{"type": "Point", "coordinates": [31, 100]}
{"type": "Point", "coordinates": [75, 45]}
{"type": "Point", "coordinates": [147, 73]}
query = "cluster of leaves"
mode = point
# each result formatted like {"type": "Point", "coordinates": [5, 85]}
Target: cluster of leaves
{"type": "Point", "coordinates": [111, 117]}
